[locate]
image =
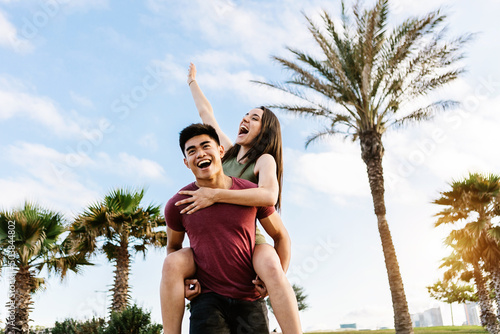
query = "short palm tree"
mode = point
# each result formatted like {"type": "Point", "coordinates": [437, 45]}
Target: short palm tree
{"type": "Point", "coordinates": [119, 227]}
{"type": "Point", "coordinates": [466, 262]}
{"type": "Point", "coordinates": [494, 268]}
{"type": "Point", "coordinates": [476, 201]}
{"type": "Point", "coordinates": [30, 240]}
{"type": "Point", "coordinates": [362, 84]}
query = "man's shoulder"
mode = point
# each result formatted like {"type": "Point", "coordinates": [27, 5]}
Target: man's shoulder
{"type": "Point", "coordinates": [242, 184]}
{"type": "Point", "coordinates": [177, 197]}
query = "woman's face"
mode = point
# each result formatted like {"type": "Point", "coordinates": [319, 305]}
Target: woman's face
{"type": "Point", "coordinates": [250, 127]}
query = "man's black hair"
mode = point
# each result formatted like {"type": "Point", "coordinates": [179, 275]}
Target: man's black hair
{"type": "Point", "coordinates": [194, 130]}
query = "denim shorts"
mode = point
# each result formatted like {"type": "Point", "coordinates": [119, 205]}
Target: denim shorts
{"type": "Point", "coordinates": [212, 313]}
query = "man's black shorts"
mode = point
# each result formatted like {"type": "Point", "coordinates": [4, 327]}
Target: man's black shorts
{"type": "Point", "coordinates": [212, 313]}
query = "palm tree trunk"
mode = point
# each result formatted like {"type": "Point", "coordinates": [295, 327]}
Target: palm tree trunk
{"type": "Point", "coordinates": [122, 269]}
{"type": "Point", "coordinates": [495, 276]}
{"type": "Point", "coordinates": [21, 301]}
{"type": "Point", "coordinates": [488, 318]}
{"type": "Point", "coordinates": [372, 151]}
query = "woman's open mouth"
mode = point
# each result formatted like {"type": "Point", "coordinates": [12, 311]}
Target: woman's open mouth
{"type": "Point", "coordinates": [243, 130]}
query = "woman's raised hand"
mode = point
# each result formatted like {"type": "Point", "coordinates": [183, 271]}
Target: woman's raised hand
{"type": "Point", "coordinates": [191, 73]}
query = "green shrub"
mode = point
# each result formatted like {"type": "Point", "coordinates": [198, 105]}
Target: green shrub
{"type": "Point", "coordinates": [133, 320]}
{"type": "Point", "coordinates": [38, 330]}
{"type": "Point", "coordinates": [72, 326]}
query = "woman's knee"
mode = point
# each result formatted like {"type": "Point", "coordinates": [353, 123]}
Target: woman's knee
{"type": "Point", "coordinates": [266, 262]}
{"type": "Point", "coordinates": [179, 263]}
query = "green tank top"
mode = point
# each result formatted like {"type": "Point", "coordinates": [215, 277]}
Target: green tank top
{"type": "Point", "coordinates": [233, 168]}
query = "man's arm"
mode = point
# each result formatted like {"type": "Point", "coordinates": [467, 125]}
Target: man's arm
{"type": "Point", "coordinates": [174, 240]}
{"type": "Point", "coordinates": [192, 287]}
{"type": "Point", "coordinates": [273, 225]}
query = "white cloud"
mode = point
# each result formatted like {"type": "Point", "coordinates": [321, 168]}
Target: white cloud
{"type": "Point", "coordinates": [214, 73]}
{"type": "Point", "coordinates": [129, 166]}
{"type": "Point", "coordinates": [173, 72]}
{"type": "Point", "coordinates": [256, 30]}
{"type": "Point", "coordinates": [339, 171]}
{"type": "Point", "coordinates": [445, 146]}
{"type": "Point", "coordinates": [442, 147]}
{"type": "Point", "coordinates": [9, 37]}
{"type": "Point", "coordinates": [53, 167]}
{"type": "Point", "coordinates": [16, 102]}
{"type": "Point", "coordinates": [81, 100]}
{"type": "Point", "coordinates": [57, 180]}
{"type": "Point", "coordinates": [37, 178]}
{"type": "Point", "coordinates": [409, 7]}
{"type": "Point", "coordinates": [142, 168]}
{"type": "Point", "coordinates": [68, 198]}
{"type": "Point", "coordinates": [217, 58]}
{"type": "Point", "coordinates": [40, 17]}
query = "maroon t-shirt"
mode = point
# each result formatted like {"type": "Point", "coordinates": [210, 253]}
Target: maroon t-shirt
{"type": "Point", "coordinates": [222, 237]}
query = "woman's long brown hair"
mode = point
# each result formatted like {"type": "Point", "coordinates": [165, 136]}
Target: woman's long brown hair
{"type": "Point", "coordinates": [267, 141]}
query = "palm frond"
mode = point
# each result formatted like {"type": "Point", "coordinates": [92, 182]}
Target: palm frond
{"type": "Point", "coordinates": [425, 113]}
{"type": "Point", "coordinates": [286, 89]}
{"type": "Point", "coordinates": [339, 58]}
{"type": "Point", "coordinates": [318, 135]}
{"type": "Point", "coordinates": [494, 232]}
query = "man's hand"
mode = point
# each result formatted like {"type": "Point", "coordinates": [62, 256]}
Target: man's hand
{"type": "Point", "coordinates": [192, 288]}
{"type": "Point", "coordinates": [260, 287]}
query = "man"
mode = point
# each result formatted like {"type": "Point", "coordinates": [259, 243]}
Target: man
{"type": "Point", "coordinates": [222, 238]}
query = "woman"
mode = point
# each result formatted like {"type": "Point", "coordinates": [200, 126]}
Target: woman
{"type": "Point", "coordinates": [257, 157]}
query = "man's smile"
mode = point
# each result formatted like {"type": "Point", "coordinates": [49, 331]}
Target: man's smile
{"type": "Point", "coordinates": [205, 163]}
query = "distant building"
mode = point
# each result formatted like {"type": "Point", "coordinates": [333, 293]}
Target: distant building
{"type": "Point", "coordinates": [471, 314]}
{"type": "Point", "coordinates": [343, 326]}
{"type": "Point", "coordinates": [429, 318]}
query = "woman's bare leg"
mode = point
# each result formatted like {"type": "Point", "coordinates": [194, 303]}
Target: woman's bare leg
{"type": "Point", "coordinates": [267, 265]}
{"type": "Point", "coordinates": [177, 267]}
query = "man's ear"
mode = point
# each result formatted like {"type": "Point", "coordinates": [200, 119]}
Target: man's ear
{"type": "Point", "coordinates": [186, 163]}
{"type": "Point", "coordinates": [222, 151]}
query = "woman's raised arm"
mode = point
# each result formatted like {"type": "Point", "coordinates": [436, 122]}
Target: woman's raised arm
{"type": "Point", "coordinates": [205, 108]}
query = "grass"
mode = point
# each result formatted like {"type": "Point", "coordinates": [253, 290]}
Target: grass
{"type": "Point", "coordinates": [423, 330]}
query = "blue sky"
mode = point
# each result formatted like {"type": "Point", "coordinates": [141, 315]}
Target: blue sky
{"type": "Point", "coordinates": [93, 95]}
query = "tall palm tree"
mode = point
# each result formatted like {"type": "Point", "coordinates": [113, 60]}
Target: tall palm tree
{"type": "Point", "coordinates": [30, 240]}
{"type": "Point", "coordinates": [361, 85]}
{"type": "Point", "coordinates": [475, 200]}
{"type": "Point", "coordinates": [119, 227]}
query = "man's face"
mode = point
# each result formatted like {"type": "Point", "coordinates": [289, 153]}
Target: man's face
{"type": "Point", "coordinates": [203, 157]}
